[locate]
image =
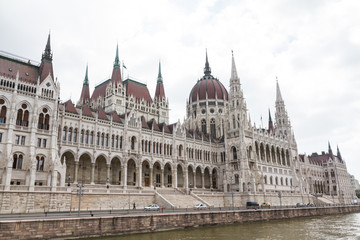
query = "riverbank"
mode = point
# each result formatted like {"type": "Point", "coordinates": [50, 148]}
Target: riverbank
{"type": "Point", "coordinates": [117, 225]}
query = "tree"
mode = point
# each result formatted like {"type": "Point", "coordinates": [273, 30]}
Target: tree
{"type": "Point", "coordinates": [357, 193]}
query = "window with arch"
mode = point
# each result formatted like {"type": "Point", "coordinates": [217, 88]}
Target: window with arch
{"type": "Point", "coordinates": [212, 128]}
{"type": "Point", "coordinates": [234, 122]}
{"type": "Point", "coordinates": [64, 134]}
{"type": "Point", "coordinates": [22, 118]}
{"type": "Point", "coordinates": [203, 126]}
{"type": "Point", "coordinates": [133, 140]}
{"type": "Point", "coordinates": [234, 153]}
{"type": "Point", "coordinates": [69, 134]}
{"type": "Point", "coordinates": [40, 160]}
{"type": "Point", "coordinates": [75, 135]}
{"type": "Point", "coordinates": [180, 150]}
{"type": "Point", "coordinates": [44, 120]}
{"type": "Point", "coordinates": [3, 111]}
{"type": "Point", "coordinates": [17, 161]}
{"type": "Point", "coordinates": [82, 136]}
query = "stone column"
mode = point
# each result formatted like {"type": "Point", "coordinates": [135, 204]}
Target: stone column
{"type": "Point", "coordinates": [194, 180]}
{"type": "Point", "coordinates": [139, 169]}
{"type": "Point", "coordinates": [108, 173]}
{"type": "Point", "coordinates": [76, 172]}
{"type": "Point", "coordinates": [162, 177]}
{"type": "Point", "coordinates": [53, 180]}
{"type": "Point", "coordinates": [186, 180]}
{"type": "Point", "coordinates": [175, 182]}
{"type": "Point", "coordinates": [151, 178]}
{"type": "Point", "coordinates": [92, 174]}
{"type": "Point", "coordinates": [32, 175]}
{"type": "Point", "coordinates": [125, 177]}
{"type": "Point", "coordinates": [241, 185]}
{"type": "Point", "coordinates": [202, 180]}
{"type": "Point", "coordinates": [211, 186]}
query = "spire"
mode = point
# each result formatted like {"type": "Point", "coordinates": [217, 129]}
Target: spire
{"type": "Point", "coordinates": [117, 62]}
{"type": "Point", "coordinates": [338, 153]}
{"type": "Point", "coordinates": [116, 75]}
{"type": "Point", "coordinates": [233, 68]}
{"type": "Point", "coordinates": [278, 93]}
{"type": "Point", "coordinates": [160, 79]}
{"type": "Point", "coordinates": [47, 53]}
{"type": "Point", "coordinates": [159, 92]}
{"type": "Point", "coordinates": [85, 93]}
{"type": "Point", "coordinates": [46, 67]}
{"type": "Point", "coordinates": [86, 80]}
{"type": "Point", "coordinates": [271, 125]}
{"type": "Point", "coordinates": [207, 69]}
{"type": "Point", "coordinates": [329, 148]}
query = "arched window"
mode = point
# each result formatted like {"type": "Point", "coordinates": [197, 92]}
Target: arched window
{"type": "Point", "coordinates": [3, 114]}
{"type": "Point", "coordinates": [41, 121]}
{"type": "Point", "coordinates": [212, 128]}
{"type": "Point", "coordinates": [17, 161]}
{"type": "Point", "coordinates": [19, 117]}
{"type": "Point", "coordinates": [82, 136]}
{"type": "Point", "coordinates": [180, 150]}
{"type": "Point", "coordinates": [64, 134]}
{"type": "Point", "coordinates": [271, 180]}
{"type": "Point", "coordinates": [133, 140]}
{"type": "Point", "coordinates": [234, 153]}
{"type": "Point", "coordinates": [234, 122]}
{"type": "Point", "coordinates": [203, 126]}
{"type": "Point", "coordinates": [98, 139]}
{"type": "Point", "coordinates": [92, 138]}
{"type": "Point", "coordinates": [102, 139]}
{"type": "Point", "coordinates": [87, 137]}
{"type": "Point", "coordinates": [69, 134]}
{"type": "Point", "coordinates": [40, 163]}
{"type": "Point", "coordinates": [47, 121]}
{"type": "Point", "coordinates": [75, 135]}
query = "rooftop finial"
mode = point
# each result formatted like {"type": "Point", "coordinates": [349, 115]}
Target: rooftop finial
{"type": "Point", "coordinates": [160, 79]}
{"type": "Point", "coordinates": [86, 80]}
{"type": "Point", "coordinates": [278, 93]}
{"type": "Point", "coordinates": [207, 69]}
{"type": "Point", "coordinates": [117, 62]}
{"type": "Point", "coordinates": [233, 67]}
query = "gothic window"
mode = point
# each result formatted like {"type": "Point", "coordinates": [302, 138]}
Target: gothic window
{"type": "Point", "coordinates": [40, 163]}
{"type": "Point", "coordinates": [102, 139]}
{"type": "Point", "coordinates": [87, 137]}
{"type": "Point", "coordinates": [69, 135]}
{"type": "Point", "coordinates": [82, 136]}
{"type": "Point", "coordinates": [91, 137]}
{"type": "Point", "coordinates": [75, 135]}
{"type": "Point", "coordinates": [19, 117]}
{"type": "Point", "coordinates": [234, 153]}
{"type": "Point", "coordinates": [17, 161]}
{"type": "Point", "coordinates": [121, 140]}
{"type": "Point", "coordinates": [203, 126]}
{"type": "Point", "coordinates": [234, 122]}
{"type": "Point", "coordinates": [265, 179]}
{"type": "Point", "coordinates": [107, 140]}
{"type": "Point", "coordinates": [64, 134]}
{"type": "Point", "coordinates": [41, 121]}
{"type": "Point", "coordinates": [98, 139]}
{"type": "Point", "coordinates": [133, 140]}
{"type": "Point", "coordinates": [212, 128]}
{"type": "Point", "coordinates": [47, 120]}
{"type": "Point", "coordinates": [3, 113]}
{"type": "Point", "coordinates": [180, 150]}
{"type": "Point", "coordinates": [112, 140]}
{"type": "Point", "coordinates": [117, 141]}
{"type": "Point", "coordinates": [271, 180]}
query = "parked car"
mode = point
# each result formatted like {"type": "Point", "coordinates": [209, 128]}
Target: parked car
{"type": "Point", "coordinates": [200, 206]}
{"type": "Point", "coordinates": [354, 202]}
{"type": "Point", "coordinates": [152, 207]}
{"type": "Point", "coordinates": [252, 205]}
{"type": "Point", "coordinates": [265, 205]}
{"type": "Point", "coordinates": [310, 204]}
{"type": "Point", "coordinates": [300, 204]}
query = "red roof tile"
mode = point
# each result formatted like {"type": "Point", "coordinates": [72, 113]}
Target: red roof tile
{"type": "Point", "coordinates": [87, 111]}
{"type": "Point", "coordinates": [138, 90]}
{"type": "Point", "coordinates": [100, 90]}
{"type": "Point", "coordinates": [46, 68]}
{"type": "Point", "coordinates": [69, 107]}
{"type": "Point", "coordinates": [27, 71]}
{"type": "Point", "coordinates": [160, 92]}
{"type": "Point", "coordinates": [101, 114]}
{"type": "Point", "coordinates": [144, 123]}
{"type": "Point", "coordinates": [210, 86]}
{"type": "Point", "coordinates": [116, 118]}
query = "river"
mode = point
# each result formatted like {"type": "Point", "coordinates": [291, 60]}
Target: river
{"type": "Point", "coordinates": [346, 226]}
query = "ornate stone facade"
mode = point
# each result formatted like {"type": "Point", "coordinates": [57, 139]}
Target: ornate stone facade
{"type": "Point", "coordinates": [120, 137]}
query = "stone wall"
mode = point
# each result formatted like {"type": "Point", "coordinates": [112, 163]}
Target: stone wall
{"type": "Point", "coordinates": [116, 225]}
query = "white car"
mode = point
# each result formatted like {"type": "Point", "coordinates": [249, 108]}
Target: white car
{"type": "Point", "coordinates": [151, 207]}
{"type": "Point", "coordinates": [200, 206]}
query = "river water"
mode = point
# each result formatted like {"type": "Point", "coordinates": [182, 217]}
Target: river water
{"type": "Point", "coordinates": [346, 226]}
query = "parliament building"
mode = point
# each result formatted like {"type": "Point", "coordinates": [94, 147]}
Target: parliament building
{"type": "Point", "coordinates": [117, 141]}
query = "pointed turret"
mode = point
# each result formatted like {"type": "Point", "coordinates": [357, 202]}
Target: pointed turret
{"type": "Point", "coordinates": [116, 74]}
{"type": "Point", "coordinates": [159, 92]}
{"type": "Point", "coordinates": [329, 148]}
{"type": "Point", "coordinates": [85, 93]}
{"type": "Point", "coordinates": [278, 93]}
{"type": "Point", "coordinates": [234, 74]}
{"type": "Point", "coordinates": [46, 67]}
{"type": "Point", "coordinates": [271, 125]}
{"type": "Point", "coordinates": [207, 69]}
{"type": "Point", "coordinates": [283, 126]}
{"type": "Point", "coordinates": [338, 153]}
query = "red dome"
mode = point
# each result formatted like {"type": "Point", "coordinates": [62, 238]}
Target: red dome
{"type": "Point", "coordinates": [210, 85]}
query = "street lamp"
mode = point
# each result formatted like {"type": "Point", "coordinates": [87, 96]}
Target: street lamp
{"type": "Point", "coordinates": [79, 193]}
{"type": "Point", "coordinates": [232, 193]}
{"type": "Point", "coordinates": [69, 177]}
{"type": "Point", "coordinates": [107, 183]}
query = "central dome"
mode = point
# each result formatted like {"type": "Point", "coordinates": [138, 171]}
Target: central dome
{"type": "Point", "coordinates": [208, 87]}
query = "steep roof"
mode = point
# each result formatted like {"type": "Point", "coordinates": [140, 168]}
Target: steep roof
{"type": "Point", "coordinates": [69, 107]}
{"type": "Point", "coordinates": [138, 90]}
{"type": "Point", "coordinates": [102, 114]}
{"type": "Point", "coordinates": [9, 67]}
{"type": "Point", "coordinates": [100, 90]}
{"type": "Point", "coordinates": [87, 111]}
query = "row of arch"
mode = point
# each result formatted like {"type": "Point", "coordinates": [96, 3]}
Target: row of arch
{"type": "Point", "coordinates": [277, 181]}
{"type": "Point", "coordinates": [271, 154]}
{"type": "Point", "coordinates": [155, 147]}
{"type": "Point", "coordinates": [131, 173]}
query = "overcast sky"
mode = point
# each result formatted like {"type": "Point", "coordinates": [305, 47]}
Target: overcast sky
{"type": "Point", "coordinates": [313, 47]}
